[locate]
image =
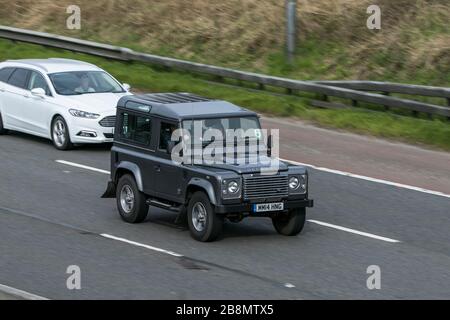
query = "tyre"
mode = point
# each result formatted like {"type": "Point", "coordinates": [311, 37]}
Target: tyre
{"type": "Point", "coordinates": [291, 223]}
{"type": "Point", "coordinates": [130, 201]}
{"type": "Point", "coordinates": [60, 134]}
{"type": "Point", "coordinates": [204, 224]}
{"type": "Point", "coordinates": [2, 129]}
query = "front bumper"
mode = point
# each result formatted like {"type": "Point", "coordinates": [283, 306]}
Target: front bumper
{"type": "Point", "coordinates": [247, 207]}
{"type": "Point", "coordinates": [78, 125]}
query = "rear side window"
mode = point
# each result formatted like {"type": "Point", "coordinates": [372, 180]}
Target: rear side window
{"type": "Point", "coordinates": [136, 128]}
{"type": "Point", "coordinates": [19, 78]}
{"type": "Point", "coordinates": [38, 81]}
{"type": "Point", "coordinates": [5, 73]}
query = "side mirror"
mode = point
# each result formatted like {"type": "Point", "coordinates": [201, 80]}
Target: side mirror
{"type": "Point", "coordinates": [126, 86]}
{"type": "Point", "coordinates": [38, 92]}
{"type": "Point", "coordinates": [269, 145]}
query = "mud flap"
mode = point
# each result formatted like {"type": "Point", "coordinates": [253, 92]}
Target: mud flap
{"type": "Point", "coordinates": [110, 190]}
{"type": "Point", "coordinates": [181, 218]}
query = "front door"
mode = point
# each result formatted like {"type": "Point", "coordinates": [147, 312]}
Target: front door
{"type": "Point", "coordinates": [37, 110]}
{"type": "Point", "coordinates": [168, 174]}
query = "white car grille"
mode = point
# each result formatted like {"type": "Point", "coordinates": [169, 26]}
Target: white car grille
{"type": "Point", "coordinates": [108, 121]}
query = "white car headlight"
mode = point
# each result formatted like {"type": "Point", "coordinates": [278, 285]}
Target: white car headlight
{"type": "Point", "coordinates": [83, 114]}
{"type": "Point", "coordinates": [294, 183]}
{"type": "Point", "coordinates": [233, 187]}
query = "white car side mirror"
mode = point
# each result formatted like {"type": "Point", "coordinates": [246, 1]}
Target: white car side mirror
{"type": "Point", "coordinates": [126, 86]}
{"type": "Point", "coordinates": [39, 92]}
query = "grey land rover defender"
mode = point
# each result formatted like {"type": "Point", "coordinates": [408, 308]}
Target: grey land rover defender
{"type": "Point", "coordinates": [205, 193]}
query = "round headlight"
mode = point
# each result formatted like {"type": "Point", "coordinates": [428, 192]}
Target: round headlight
{"type": "Point", "coordinates": [294, 183]}
{"type": "Point", "coordinates": [233, 187]}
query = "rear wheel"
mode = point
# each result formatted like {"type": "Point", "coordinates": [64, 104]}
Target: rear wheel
{"type": "Point", "coordinates": [291, 223]}
{"type": "Point", "coordinates": [130, 201]}
{"type": "Point", "coordinates": [204, 224]}
{"type": "Point", "coordinates": [60, 134]}
{"type": "Point", "coordinates": [2, 129]}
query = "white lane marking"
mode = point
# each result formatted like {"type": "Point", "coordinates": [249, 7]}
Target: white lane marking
{"type": "Point", "coordinates": [357, 176]}
{"type": "Point", "coordinates": [82, 166]}
{"type": "Point", "coordinates": [289, 285]}
{"type": "Point", "coordinates": [365, 234]}
{"type": "Point", "coordinates": [174, 254]}
{"type": "Point", "coordinates": [338, 172]}
{"type": "Point", "coordinates": [20, 293]}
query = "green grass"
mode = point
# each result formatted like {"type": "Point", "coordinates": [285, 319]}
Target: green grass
{"type": "Point", "coordinates": [435, 133]}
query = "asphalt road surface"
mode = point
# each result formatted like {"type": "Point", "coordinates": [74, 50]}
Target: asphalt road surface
{"type": "Point", "coordinates": [52, 216]}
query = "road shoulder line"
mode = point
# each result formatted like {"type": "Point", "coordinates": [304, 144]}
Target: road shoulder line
{"type": "Point", "coordinates": [376, 180]}
{"type": "Point", "coordinates": [338, 172]}
{"type": "Point", "coordinates": [20, 293]}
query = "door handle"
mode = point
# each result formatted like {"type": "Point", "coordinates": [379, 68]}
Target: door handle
{"type": "Point", "coordinates": [157, 168]}
{"type": "Point", "coordinates": [26, 96]}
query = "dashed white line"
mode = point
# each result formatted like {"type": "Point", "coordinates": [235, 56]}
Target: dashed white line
{"type": "Point", "coordinates": [82, 166]}
{"type": "Point", "coordinates": [357, 176]}
{"type": "Point", "coordinates": [365, 234]}
{"type": "Point", "coordinates": [142, 245]}
{"type": "Point", "coordinates": [20, 293]}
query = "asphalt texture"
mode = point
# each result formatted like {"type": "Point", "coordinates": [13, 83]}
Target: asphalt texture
{"type": "Point", "coordinates": [52, 216]}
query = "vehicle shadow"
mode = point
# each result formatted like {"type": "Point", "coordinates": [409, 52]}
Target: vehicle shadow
{"type": "Point", "coordinates": [247, 228]}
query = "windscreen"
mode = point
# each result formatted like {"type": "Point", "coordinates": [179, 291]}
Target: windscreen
{"type": "Point", "coordinates": [207, 130]}
{"type": "Point", "coordinates": [84, 82]}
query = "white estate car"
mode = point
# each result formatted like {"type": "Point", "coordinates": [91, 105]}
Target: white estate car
{"type": "Point", "coordinates": [67, 101]}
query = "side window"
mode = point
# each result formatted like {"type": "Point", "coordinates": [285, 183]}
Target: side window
{"type": "Point", "coordinates": [165, 134]}
{"type": "Point", "coordinates": [136, 128]}
{"type": "Point", "coordinates": [38, 81]}
{"type": "Point", "coordinates": [19, 78]}
{"type": "Point", "coordinates": [5, 73]}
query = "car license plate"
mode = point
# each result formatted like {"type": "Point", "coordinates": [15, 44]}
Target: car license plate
{"type": "Point", "coordinates": [265, 207]}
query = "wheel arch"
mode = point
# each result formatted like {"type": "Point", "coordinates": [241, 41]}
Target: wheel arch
{"type": "Point", "coordinates": [126, 167]}
{"type": "Point", "coordinates": [198, 184]}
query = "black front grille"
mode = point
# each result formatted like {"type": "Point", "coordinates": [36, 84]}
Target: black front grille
{"type": "Point", "coordinates": [265, 187]}
{"type": "Point", "coordinates": [108, 121]}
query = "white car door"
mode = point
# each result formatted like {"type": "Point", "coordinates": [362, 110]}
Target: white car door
{"type": "Point", "coordinates": [37, 109]}
{"type": "Point", "coordinates": [14, 98]}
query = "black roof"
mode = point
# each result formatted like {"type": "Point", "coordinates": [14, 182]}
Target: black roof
{"type": "Point", "coordinates": [182, 106]}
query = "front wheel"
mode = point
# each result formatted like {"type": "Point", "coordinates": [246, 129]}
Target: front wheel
{"type": "Point", "coordinates": [60, 134]}
{"type": "Point", "coordinates": [2, 129]}
{"type": "Point", "coordinates": [130, 201]}
{"type": "Point", "coordinates": [291, 223]}
{"type": "Point", "coordinates": [204, 224]}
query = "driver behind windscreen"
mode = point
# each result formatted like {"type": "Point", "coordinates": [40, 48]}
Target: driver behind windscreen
{"type": "Point", "coordinates": [84, 85]}
{"type": "Point", "coordinates": [214, 124]}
